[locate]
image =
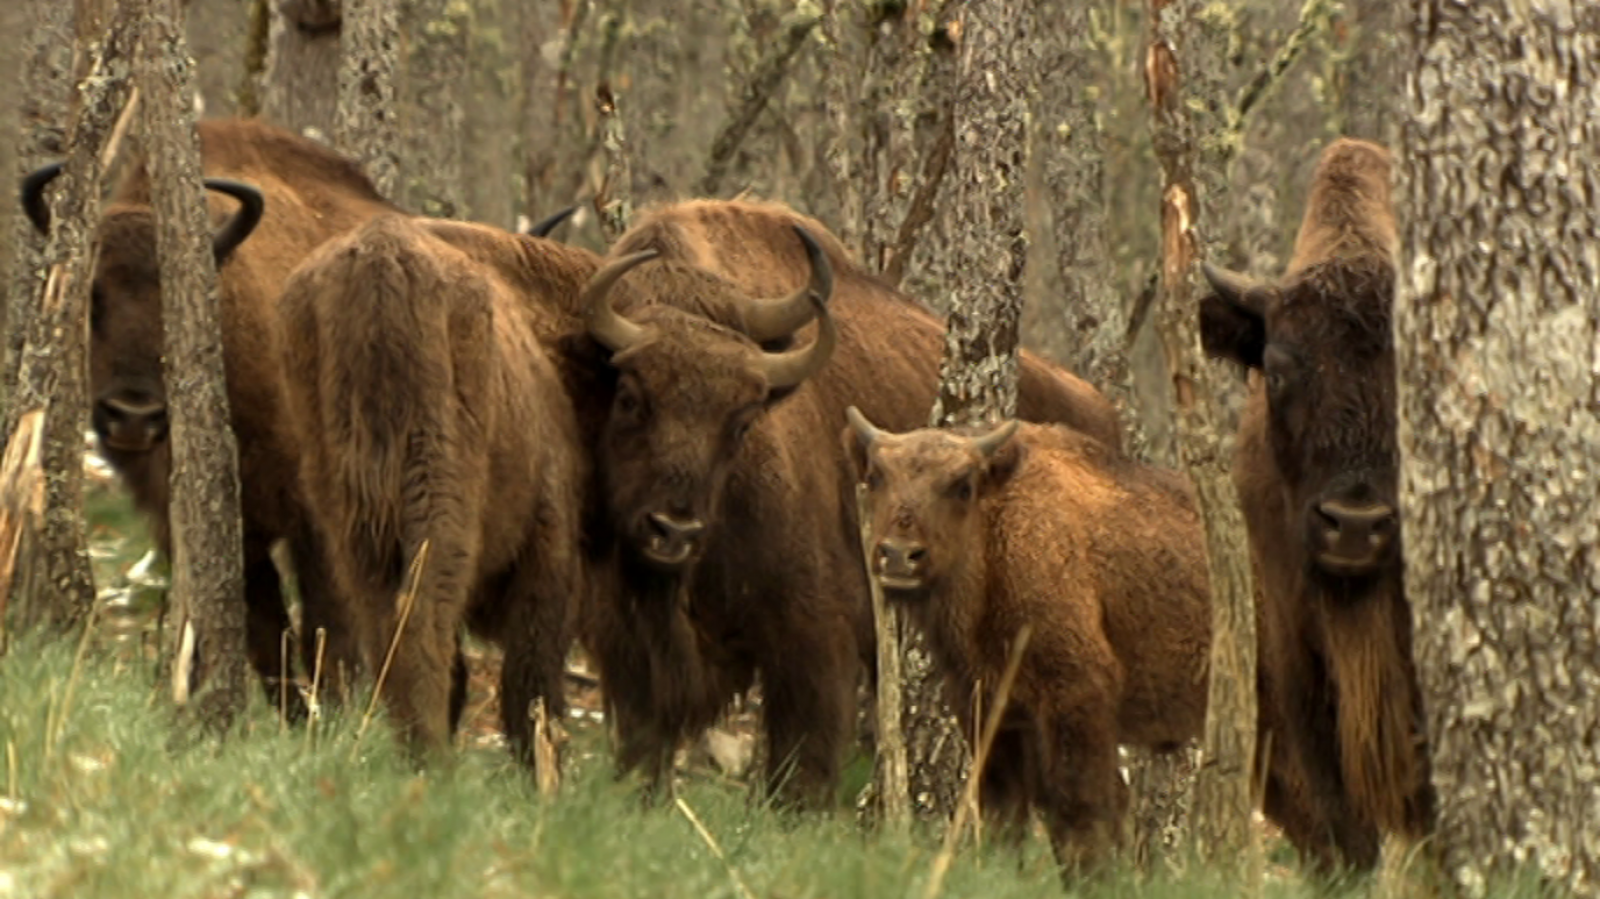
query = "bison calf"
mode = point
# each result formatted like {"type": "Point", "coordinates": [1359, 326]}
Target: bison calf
{"type": "Point", "coordinates": [1104, 558]}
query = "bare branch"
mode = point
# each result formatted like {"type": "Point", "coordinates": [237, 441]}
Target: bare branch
{"type": "Point", "coordinates": [756, 94]}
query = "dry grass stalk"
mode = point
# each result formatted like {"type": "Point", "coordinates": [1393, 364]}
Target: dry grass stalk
{"type": "Point", "coordinates": [716, 850]}
{"type": "Point", "coordinates": [21, 496]}
{"type": "Point", "coordinates": [313, 711]}
{"type": "Point", "coordinates": [283, 681]}
{"type": "Point", "coordinates": [54, 726]}
{"type": "Point", "coordinates": [406, 601]}
{"type": "Point", "coordinates": [183, 665]}
{"type": "Point", "coordinates": [893, 769]}
{"type": "Point", "coordinates": [546, 757]}
{"type": "Point", "coordinates": [969, 793]}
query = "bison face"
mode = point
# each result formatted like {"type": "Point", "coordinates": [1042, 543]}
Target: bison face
{"type": "Point", "coordinates": [1320, 343]}
{"type": "Point", "coordinates": [924, 495]}
{"type": "Point", "coordinates": [688, 390]}
{"type": "Point", "coordinates": [126, 339]}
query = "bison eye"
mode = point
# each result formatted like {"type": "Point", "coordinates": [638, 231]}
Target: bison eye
{"type": "Point", "coordinates": [961, 490]}
{"type": "Point", "coordinates": [874, 480]}
{"type": "Point", "coordinates": [628, 405]}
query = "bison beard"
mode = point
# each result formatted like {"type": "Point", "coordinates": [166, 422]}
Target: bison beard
{"type": "Point", "coordinates": [431, 415]}
{"type": "Point", "coordinates": [285, 195]}
{"type": "Point", "coordinates": [1103, 558]}
{"type": "Point", "coordinates": [1316, 472]}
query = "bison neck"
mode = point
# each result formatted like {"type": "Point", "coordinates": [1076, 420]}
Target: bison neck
{"type": "Point", "coordinates": [951, 615]}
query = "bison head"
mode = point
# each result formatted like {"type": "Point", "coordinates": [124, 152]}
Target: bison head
{"type": "Point", "coordinates": [126, 336]}
{"type": "Point", "coordinates": [924, 493]}
{"type": "Point", "coordinates": [687, 392]}
{"type": "Point", "coordinates": [1320, 342]}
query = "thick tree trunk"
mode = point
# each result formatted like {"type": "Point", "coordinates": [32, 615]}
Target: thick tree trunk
{"type": "Point", "coordinates": [996, 80]}
{"type": "Point", "coordinates": [368, 126]}
{"type": "Point", "coordinates": [1497, 334]}
{"type": "Point", "coordinates": [207, 551]}
{"type": "Point", "coordinates": [1181, 67]}
{"type": "Point", "coordinates": [56, 584]}
{"type": "Point", "coordinates": [435, 80]}
{"type": "Point", "coordinates": [42, 116]}
{"type": "Point", "coordinates": [301, 89]}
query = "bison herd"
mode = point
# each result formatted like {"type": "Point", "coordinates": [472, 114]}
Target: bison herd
{"type": "Point", "coordinates": [655, 453]}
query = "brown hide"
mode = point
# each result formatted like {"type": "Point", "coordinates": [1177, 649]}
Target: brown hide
{"type": "Point", "coordinates": [310, 194]}
{"type": "Point", "coordinates": [430, 412]}
{"type": "Point", "coordinates": [1102, 557]}
{"type": "Point", "coordinates": [1316, 469]}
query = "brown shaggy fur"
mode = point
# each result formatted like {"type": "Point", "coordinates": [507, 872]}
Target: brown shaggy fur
{"type": "Point", "coordinates": [311, 194]}
{"type": "Point", "coordinates": [429, 412]}
{"type": "Point", "coordinates": [1105, 560]}
{"type": "Point", "coordinates": [1319, 426]}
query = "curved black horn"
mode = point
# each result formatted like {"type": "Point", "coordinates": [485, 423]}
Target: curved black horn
{"type": "Point", "coordinates": [1232, 285]}
{"type": "Point", "coordinates": [543, 227]}
{"type": "Point", "coordinates": [251, 206]}
{"type": "Point", "coordinates": [790, 368]}
{"type": "Point", "coordinates": [773, 319]}
{"type": "Point", "coordinates": [988, 443]}
{"type": "Point", "coordinates": [33, 201]}
{"type": "Point", "coordinates": [606, 325]}
{"type": "Point", "coordinates": [866, 431]}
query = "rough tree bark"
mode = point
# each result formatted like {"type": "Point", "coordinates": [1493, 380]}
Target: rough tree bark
{"type": "Point", "coordinates": [368, 126]}
{"type": "Point", "coordinates": [1181, 69]}
{"type": "Point", "coordinates": [435, 80]}
{"type": "Point", "coordinates": [997, 78]}
{"type": "Point", "coordinates": [1497, 330]}
{"type": "Point", "coordinates": [44, 107]}
{"type": "Point", "coordinates": [56, 584]}
{"type": "Point", "coordinates": [207, 551]}
{"type": "Point", "coordinates": [301, 79]}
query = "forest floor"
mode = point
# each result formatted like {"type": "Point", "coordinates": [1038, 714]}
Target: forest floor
{"type": "Point", "coordinates": [102, 796]}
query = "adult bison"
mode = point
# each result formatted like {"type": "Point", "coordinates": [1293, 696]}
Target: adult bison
{"type": "Point", "coordinates": [278, 196]}
{"type": "Point", "coordinates": [436, 434]}
{"type": "Point", "coordinates": [979, 535]}
{"type": "Point", "coordinates": [1315, 467]}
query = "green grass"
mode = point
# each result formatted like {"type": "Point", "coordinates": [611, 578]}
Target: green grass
{"type": "Point", "coordinates": [97, 799]}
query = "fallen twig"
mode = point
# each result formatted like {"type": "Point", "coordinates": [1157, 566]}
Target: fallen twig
{"type": "Point", "coordinates": [711, 842]}
{"type": "Point", "coordinates": [406, 600]}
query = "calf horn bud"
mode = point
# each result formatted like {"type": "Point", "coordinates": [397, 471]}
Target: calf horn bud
{"type": "Point", "coordinates": [251, 206]}
{"type": "Point", "coordinates": [866, 431]}
{"type": "Point", "coordinates": [33, 201]}
{"type": "Point", "coordinates": [607, 326]}
{"type": "Point", "coordinates": [988, 443]}
{"type": "Point", "coordinates": [791, 368]}
{"type": "Point", "coordinates": [773, 319]}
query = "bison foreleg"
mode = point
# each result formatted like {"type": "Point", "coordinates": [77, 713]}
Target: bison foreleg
{"type": "Point", "coordinates": [1085, 799]}
{"type": "Point", "coordinates": [266, 620]}
{"type": "Point", "coordinates": [536, 639]}
{"type": "Point", "coordinates": [807, 701]}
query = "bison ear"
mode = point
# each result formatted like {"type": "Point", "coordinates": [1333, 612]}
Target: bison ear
{"type": "Point", "coordinates": [1004, 463]}
{"type": "Point", "coordinates": [855, 449]}
{"type": "Point", "coordinates": [1233, 323]}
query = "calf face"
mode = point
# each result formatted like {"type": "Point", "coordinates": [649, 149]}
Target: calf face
{"type": "Point", "coordinates": [924, 494]}
{"type": "Point", "coordinates": [1320, 341]}
{"type": "Point", "coordinates": [126, 340]}
{"type": "Point", "coordinates": [687, 392]}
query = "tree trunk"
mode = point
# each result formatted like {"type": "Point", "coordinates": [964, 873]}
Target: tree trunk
{"type": "Point", "coordinates": [1182, 68]}
{"type": "Point", "coordinates": [56, 584]}
{"type": "Point", "coordinates": [43, 113]}
{"type": "Point", "coordinates": [435, 81]}
{"type": "Point", "coordinates": [207, 547]}
{"type": "Point", "coordinates": [368, 126]}
{"type": "Point", "coordinates": [1497, 330]}
{"type": "Point", "coordinates": [997, 77]}
{"type": "Point", "coordinates": [301, 90]}
{"type": "Point", "coordinates": [495, 143]}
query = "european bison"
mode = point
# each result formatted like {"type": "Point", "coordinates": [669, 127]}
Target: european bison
{"type": "Point", "coordinates": [429, 413]}
{"type": "Point", "coordinates": [1315, 467]}
{"type": "Point", "coordinates": [279, 196]}
{"type": "Point", "coordinates": [718, 520]}
{"type": "Point", "coordinates": [978, 535]}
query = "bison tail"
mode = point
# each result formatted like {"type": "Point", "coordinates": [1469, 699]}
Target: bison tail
{"type": "Point", "coordinates": [1380, 759]}
{"type": "Point", "coordinates": [383, 314]}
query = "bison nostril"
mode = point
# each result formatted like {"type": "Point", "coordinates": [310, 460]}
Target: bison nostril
{"type": "Point", "coordinates": [916, 555]}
